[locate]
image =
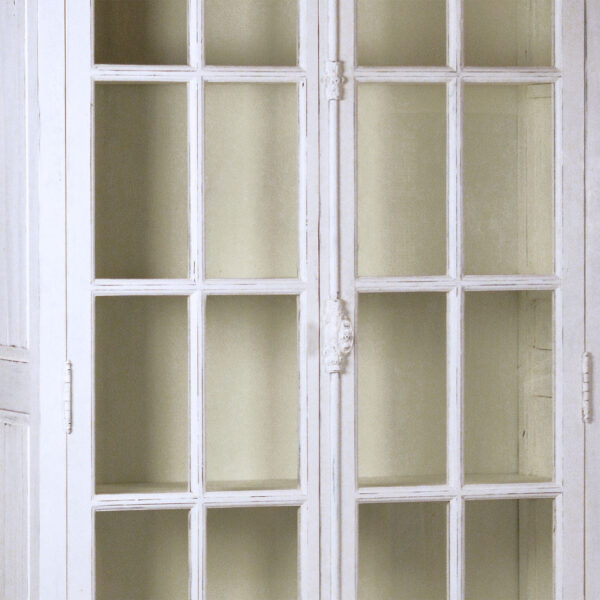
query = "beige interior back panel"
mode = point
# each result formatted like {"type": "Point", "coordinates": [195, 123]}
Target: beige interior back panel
{"type": "Point", "coordinates": [401, 179]}
{"type": "Point", "coordinates": [141, 173]}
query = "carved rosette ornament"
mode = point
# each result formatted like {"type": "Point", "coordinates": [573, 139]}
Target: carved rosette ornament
{"type": "Point", "coordinates": [339, 336]}
{"type": "Point", "coordinates": [334, 80]}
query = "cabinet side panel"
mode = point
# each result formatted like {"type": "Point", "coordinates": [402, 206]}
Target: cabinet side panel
{"type": "Point", "coordinates": [13, 182]}
{"type": "Point", "coordinates": [14, 506]}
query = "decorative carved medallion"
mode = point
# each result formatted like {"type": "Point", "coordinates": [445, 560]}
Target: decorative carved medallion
{"type": "Point", "coordinates": [339, 336]}
{"type": "Point", "coordinates": [334, 79]}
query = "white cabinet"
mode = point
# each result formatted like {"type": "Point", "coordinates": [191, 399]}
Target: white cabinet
{"type": "Point", "coordinates": [307, 301]}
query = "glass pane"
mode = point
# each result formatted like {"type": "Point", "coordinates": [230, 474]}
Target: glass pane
{"type": "Point", "coordinates": [142, 555]}
{"type": "Point", "coordinates": [251, 392]}
{"type": "Point", "coordinates": [402, 551]}
{"type": "Point", "coordinates": [402, 389]}
{"type": "Point", "coordinates": [511, 33]}
{"type": "Point", "coordinates": [251, 179]}
{"type": "Point", "coordinates": [250, 32]}
{"type": "Point", "coordinates": [508, 387]}
{"type": "Point", "coordinates": [401, 32]}
{"type": "Point", "coordinates": [509, 549]}
{"type": "Point", "coordinates": [508, 179]}
{"type": "Point", "coordinates": [141, 394]}
{"type": "Point", "coordinates": [401, 179]}
{"type": "Point", "coordinates": [141, 181]}
{"type": "Point", "coordinates": [252, 553]}
{"type": "Point", "coordinates": [141, 32]}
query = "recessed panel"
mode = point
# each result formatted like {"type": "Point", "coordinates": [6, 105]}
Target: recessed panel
{"type": "Point", "coordinates": [252, 392]}
{"type": "Point", "coordinates": [508, 179]}
{"type": "Point", "coordinates": [401, 345]}
{"type": "Point", "coordinates": [252, 553]}
{"type": "Point", "coordinates": [251, 180]}
{"type": "Point", "coordinates": [140, 32]}
{"type": "Point", "coordinates": [402, 551]}
{"type": "Point", "coordinates": [251, 32]}
{"type": "Point", "coordinates": [508, 406]}
{"type": "Point", "coordinates": [141, 376]}
{"type": "Point", "coordinates": [401, 32]}
{"type": "Point", "coordinates": [511, 33]}
{"type": "Point", "coordinates": [141, 181]}
{"type": "Point", "coordinates": [401, 179]}
{"type": "Point", "coordinates": [142, 555]}
{"type": "Point", "coordinates": [509, 546]}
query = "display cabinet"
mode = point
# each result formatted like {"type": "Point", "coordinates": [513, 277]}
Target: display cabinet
{"type": "Point", "coordinates": [300, 303]}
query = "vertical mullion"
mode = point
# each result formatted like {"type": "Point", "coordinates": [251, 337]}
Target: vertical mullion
{"type": "Point", "coordinates": [194, 397]}
{"type": "Point", "coordinates": [452, 178]}
{"type": "Point", "coordinates": [455, 439]}
{"type": "Point", "coordinates": [454, 36]}
{"type": "Point", "coordinates": [455, 548]}
{"type": "Point", "coordinates": [196, 574]}
{"type": "Point", "coordinates": [193, 37]}
{"type": "Point", "coordinates": [201, 389]}
{"type": "Point", "coordinates": [200, 275]}
{"type": "Point", "coordinates": [200, 236]}
{"type": "Point", "coordinates": [303, 233]}
{"type": "Point", "coordinates": [192, 88]}
{"type": "Point", "coordinates": [195, 552]}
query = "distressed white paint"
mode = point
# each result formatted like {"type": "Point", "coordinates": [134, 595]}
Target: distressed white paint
{"type": "Point", "coordinates": [592, 326]}
{"type": "Point", "coordinates": [14, 99]}
{"type": "Point", "coordinates": [569, 538]}
{"type": "Point", "coordinates": [14, 505]}
{"type": "Point", "coordinates": [205, 469]}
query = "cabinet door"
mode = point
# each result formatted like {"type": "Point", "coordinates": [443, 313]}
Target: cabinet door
{"type": "Point", "coordinates": [461, 268]}
{"type": "Point", "coordinates": [193, 311]}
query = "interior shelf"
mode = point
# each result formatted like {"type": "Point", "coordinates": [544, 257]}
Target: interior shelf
{"type": "Point", "coordinates": [252, 553]}
{"type": "Point", "coordinates": [251, 403]}
{"type": "Point", "coordinates": [508, 406]}
{"type": "Point", "coordinates": [141, 398]}
{"type": "Point", "coordinates": [508, 545]}
{"type": "Point", "coordinates": [401, 179]}
{"type": "Point", "coordinates": [140, 32]}
{"type": "Point", "coordinates": [402, 551]}
{"type": "Point", "coordinates": [401, 345]}
{"type": "Point", "coordinates": [142, 555]}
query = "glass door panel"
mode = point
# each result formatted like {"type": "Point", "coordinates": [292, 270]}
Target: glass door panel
{"type": "Point", "coordinates": [401, 349]}
{"type": "Point", "coordinates": [141, 181]}
{"type": "Point", "coordinates": [251, 391]}
{"type": "Point", "coordinates": [509, 407]}
{"type": "Point", "coordinates": [142, 555]}
{"type": "Point", "coordinates": [401, 32]}
{"type": "Point", "coordinates": [509, 549]}
{"type": "Point", "coordinates": [401, 179]}
{"type": "Point", "coordinates": [141, 400]}
{"type": "Point", "coordinates": [403, 552]}
{"type": "Point", "coordinates": [141, 32]}
{"type": "Point", "coordinates": [511, 33]}
{"type": "Point", "coordinates": [251, 32]}
{"type": "Point", "coordinates": [508, 159]}
{"type": "Point", "coordinates": [251, 180]}
{"type": "Point", "coordinates": [252, 553]}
